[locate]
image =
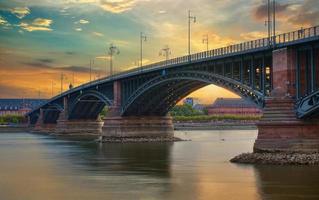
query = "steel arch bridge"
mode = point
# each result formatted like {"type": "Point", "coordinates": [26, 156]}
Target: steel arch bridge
{"type": "Point", "coordinates": [246, 69]}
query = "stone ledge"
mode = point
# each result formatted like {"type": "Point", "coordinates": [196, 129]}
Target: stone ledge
{"type": "Point", "coordinates": [138, 140]}
{"type": "Point", "coordinates": [277, 158]}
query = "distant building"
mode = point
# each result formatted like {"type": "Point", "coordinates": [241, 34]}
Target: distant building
{"type": "Point", "coordinates": [233, 106]}
{"type": "Point", "coordinates": [200, 107]}
{"type": "Point", "coordinates": [191, 101]}
{"type": "Point", "coordinates": [18, 106]}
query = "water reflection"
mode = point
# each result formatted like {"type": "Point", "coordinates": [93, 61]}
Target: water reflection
{"type": "Point", "coordinates": [147, 158]}
{"type": "Point", "coordinates": [288, 182]}
{"type": "Point", "coordinates": [40, 167]}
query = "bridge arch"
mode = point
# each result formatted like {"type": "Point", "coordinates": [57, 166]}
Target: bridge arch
{"type": "Point", "coordinates": [88, 105]}
{"type": "Point", "coordinates": [51, 113]}
{"type": "Point", "coordinates": [164, 91]}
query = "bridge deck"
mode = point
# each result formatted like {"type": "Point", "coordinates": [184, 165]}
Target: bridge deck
{"type": "Point", "coordinates": [278, 41]}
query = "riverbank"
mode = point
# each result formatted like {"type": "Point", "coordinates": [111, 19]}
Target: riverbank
{"type": "Point", "coordinates": [139, 140]}
{"type": "Point", "coordinates": [13, 128]}
{"type": "Point", "coordinates": [277, 158]}
{"type": "Point", "coordinates": [216, 125]}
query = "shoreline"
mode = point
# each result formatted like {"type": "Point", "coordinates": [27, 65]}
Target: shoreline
{"type": "Point", "coordinates": [177, 127]}
{"type": "Point", "coordinates": [232, 125]}
{"type": "Point", "coordinates": [278, 158]}
{"type": "Point", "coordinates": [139, 140]}
{"type": "Point", "coordinates": [14, 129]}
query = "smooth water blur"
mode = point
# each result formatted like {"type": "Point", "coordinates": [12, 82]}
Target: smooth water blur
{"type": "Point", "coordinates": [35, 167]}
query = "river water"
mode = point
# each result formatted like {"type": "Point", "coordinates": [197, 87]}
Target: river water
{"type": "Point", "coordinates": [37, 167]}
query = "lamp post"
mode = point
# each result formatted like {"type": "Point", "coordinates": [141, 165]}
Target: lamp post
{"type": "Point", "coordinates": [166, 51]}
{"type": "Point", "coordinates": [62, 82]}
{"type": "Point", "coordinates": [205, 41]}
{"type": "Point", "coordinates": [91, 63]}
{"type": "Point", "coordinates": [268, 22]}
{"type": "Point", "coordinates": [274, 20]}
{"type": "Point", "coordinates": [143, 38]}
{"type": "Point", "coordinates": [271, 24]}
{"type": "Point", "coordinates": [112, 51]}
{"type": "Point", "coordinates": [52, 84]}
{"type": "Point", "coordinates": [190, 19]}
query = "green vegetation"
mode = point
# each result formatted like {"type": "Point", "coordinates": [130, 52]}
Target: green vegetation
{"type": "Point", "coordinates": [104, 111]}
{"type": "Point", "coordinates": [186, 113]}
{"type": "Point", "coordinates": [185, 110]}
{"type": "Point", "coordinates": [12, 119]}
{"type": "Point", "coordinates": [207, 118]}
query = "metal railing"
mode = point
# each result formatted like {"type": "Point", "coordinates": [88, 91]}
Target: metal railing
{"type": "Point", "coordinates": [262, 43]}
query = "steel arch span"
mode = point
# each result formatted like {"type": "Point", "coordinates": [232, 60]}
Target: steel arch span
{"type": "Point", "coordinates": [161, 93]}
{"type": "Point", "coordinates": [88, 105]}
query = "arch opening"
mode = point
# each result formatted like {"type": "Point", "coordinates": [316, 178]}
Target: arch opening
{"type": "Point", "coordinates": [162, 93]}
{"type": "Point", "coordinates": [88, 106]}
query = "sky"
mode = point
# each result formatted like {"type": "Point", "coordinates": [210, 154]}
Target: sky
{"type": "Point", "coordinates": [41, 39]}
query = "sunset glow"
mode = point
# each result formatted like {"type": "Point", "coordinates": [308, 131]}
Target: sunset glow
{"type": "Point", "coordinates": [40, 39]}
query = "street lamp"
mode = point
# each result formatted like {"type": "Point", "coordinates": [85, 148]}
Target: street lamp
{"type": "Point", "coordinates": [91, 63]}
{"type": "Point", "coordinates": [190, 19]}
{"type": "Point", "coordinates": [52, 84]}
{"type": "Point", "coordinates": [166, 51]}
{"type": "Point", "coordinates": [112, 51]}
{"type": "Point", "coordinates": [274, 19]}
{"type": "Point", "coordinates": [143, 38]}
{"type": "Point", "coordinates": [62, 76]}
{"type": "Point", "coordinates": [271, 24]}
{"type": "Point", "coordinates": [205, 41]}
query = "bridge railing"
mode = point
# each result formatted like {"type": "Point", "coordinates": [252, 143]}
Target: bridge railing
{"type": "Point", "coordinates": [297, 35]}
{"type": "Point", "coordinates": [284, 38]}
{"type": "Point", "coordinates": [243, 47]}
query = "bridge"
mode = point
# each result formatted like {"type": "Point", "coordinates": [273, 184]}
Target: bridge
{"type": "Point", "coordinates": [279, 74]}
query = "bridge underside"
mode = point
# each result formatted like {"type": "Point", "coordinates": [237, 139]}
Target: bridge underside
{"type": "Point", "coordinates": [162, 97]}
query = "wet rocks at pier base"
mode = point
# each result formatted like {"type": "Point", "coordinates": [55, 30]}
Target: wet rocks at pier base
{"type": "Point", "coordinates": [278, 158]}
{"type": "Point", "coordinates": [138, 139]}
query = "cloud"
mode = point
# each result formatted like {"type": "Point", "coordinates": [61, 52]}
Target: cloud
{"type": "Point", "coordinates": [117, 6]}
{"type": "Point", "coordinates": [37, 64]}
{"type": "Point", "coordinates": [261, 11]}
{"type": "Point", "coordinates": [253, 35]}
{"type": "Point", "coordinates": [306, 14]}
{"type": "Point", "coordinates": [103, 57]}
{"type": "Point", "coordinates": [30, 28]}
{"type": "Point", "coordinates": [70, 53]}
{"type": "Point", "coordinates": [45, 60]}
{"type": "Point", "coordinates": [74, 68]}
{"type": "Point", "coordinates": [20, 12]}
{"type": "Point", "coordinates": [4, 22]}
{"type": "Point", "coordinates": [78, 29]}
{"type": "Point", "coordinates": [42, 22]}
{"type": "Point", "coordinates": [162, 12]}
{"type": "Point", "coordinates": [98, 34]}
{"type": "Point", "coordinates": [82, 21]}
{"type": "Point", "coordinates": [39, 24]}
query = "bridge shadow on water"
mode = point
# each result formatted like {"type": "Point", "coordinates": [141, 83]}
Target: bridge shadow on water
{"type": "Point", "coordinates": [287, 182]}
{"type": "Point", "coordinates": [151, 159]}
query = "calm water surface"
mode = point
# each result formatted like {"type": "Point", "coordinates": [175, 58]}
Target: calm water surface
{"type": "Point", "coordinates": [39, 167]}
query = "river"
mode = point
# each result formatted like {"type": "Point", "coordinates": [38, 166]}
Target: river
{"type": "Point", "coordinates": [40, 167]}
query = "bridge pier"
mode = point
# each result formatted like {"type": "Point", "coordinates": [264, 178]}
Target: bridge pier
{"type": "Point", "coordinates": [117, 126]}
{"type": "Point", "coordinates": [80, 127]}
{"type": "Point", "coordinates": [138, 127]}
{"type": "Point", "coordinates": [41, 127]}
{"type": "Point", "coordinates": [280, 129]}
